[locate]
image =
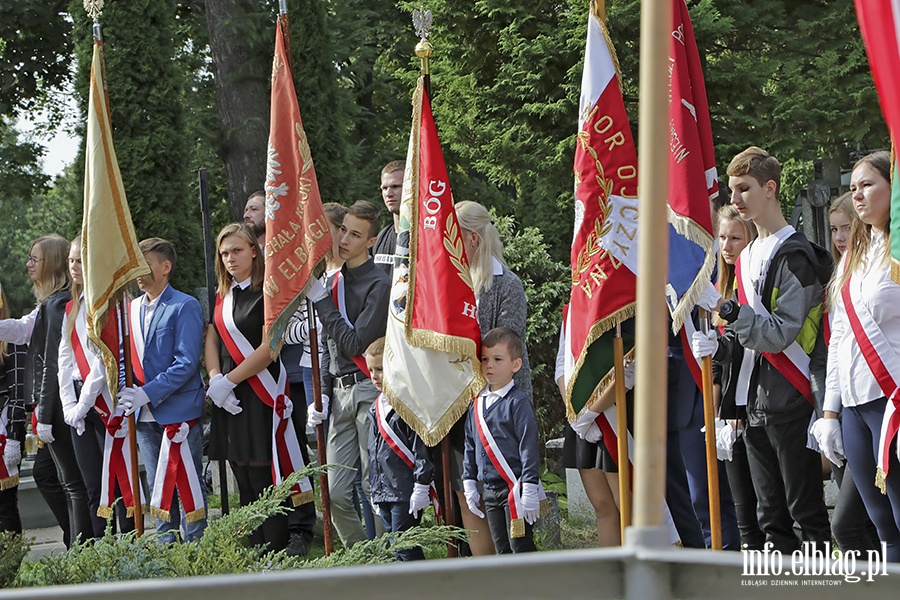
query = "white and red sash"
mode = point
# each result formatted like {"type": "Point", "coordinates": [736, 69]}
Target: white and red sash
{"type": "Point", "coordinates": [695, 365]}
{"type": "Point", "coordinates": [137, 341]}
{"type": "Point", "coordinates": [116, 453]}
{"type": "Point", "coordinates": [9, 474]}
{"type": "Point", "coordinates": [286, 456]}
{"type": "Point", "coordinates": [884, 364]}
{"type": "Point", "coordinates": [337, 294]}
{"type": "Point", "coordinates": [382, 411]}
{"type": "Point", "coordinates": [176, 469]}
{"type": "Point", "coordinates": [792, 362]}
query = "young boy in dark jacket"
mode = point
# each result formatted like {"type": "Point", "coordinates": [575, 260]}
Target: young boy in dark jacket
{"type": "Point", "coordinates": [400, 469]}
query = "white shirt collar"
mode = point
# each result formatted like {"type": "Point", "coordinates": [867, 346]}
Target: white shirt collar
{"type": "Point", "coordinates": [498, 266]}
{"type": "Point", "coordinates": [501, 393]}
{"type": "Point", "coordinates": [151, 304]}
{"type": "Point", "coordinates": [242, 284]}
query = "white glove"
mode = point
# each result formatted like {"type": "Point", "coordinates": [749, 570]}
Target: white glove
{"type": "Point", "coordinates": [828, 435]}
{"type": "Point", "coordinates": [12, 452]}
{"type": "Point", "coordinates": [316, 291]}
{"type": "Point", "coordinates": [725, 438]}
{"type": "Point", "coordinates": [704, 344]}
{"type": "Point", "coordinates": [231, 404]}
{"type": "Point", "coordinates": [586, 427]}
{"type": "Point", "coordinates": [473, 498]}
{"type": "Point", "coordinates": [75, 414]}
{"type": "Point", "coordinates": [132, 398]}
{"type": "Point", "coordinates": [531, 502]}
{"type": "Point", "coordinates": [45, 433]}
{"type": "Point", "coordinates": [317, 417]}
{"type": "Point", "coordinates": [79, 426]}
{"type": "Point", "coordinates": [219, 387]}
{"type": "Point", "coordinates": [629, 375]}
{"type": "Point", "coordinates": [419, 499]}
{"type": "Point", "coordinates": [375, 509]}
{"type": "Point", "coordinates": [710, 297]}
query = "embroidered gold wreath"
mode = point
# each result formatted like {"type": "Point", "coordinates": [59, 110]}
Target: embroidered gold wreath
{"type": "Point", "coordinates": [602, 225]}
{"type": "Point", "coordinates": [454, 245]}
{"type": "Point", "coordinates": [303, 147]}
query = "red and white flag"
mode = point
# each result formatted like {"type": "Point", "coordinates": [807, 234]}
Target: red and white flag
{"type": "Point", "coordinates": [297, 232]}
{"type": "Point", "coordinates": [432, 368]}
{"type": "Point", "coordinates": [693, 181]}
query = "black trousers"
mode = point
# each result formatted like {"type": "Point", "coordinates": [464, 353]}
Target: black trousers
{"type": "Point", "coordinates": [301, 519]}
{"type": "Point", "coordinates": [741, 483]}
{"type": "Point", "coordinates": [787, 478]}
{"type": "Point", "coordinates": [251, 481]}
{"type": "Point", "coordinates": [63, 453]}
{"type": "Point", "coordinates": [496, 511]}
{"type": "Point", "coordinates": [47, 481]}
{"type": "Point", "coordinates": [9, 510]}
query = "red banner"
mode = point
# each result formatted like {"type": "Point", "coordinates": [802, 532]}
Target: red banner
{"type": "Point", "coordinates": [297, 233]}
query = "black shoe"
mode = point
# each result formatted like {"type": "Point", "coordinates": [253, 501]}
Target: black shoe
{"type": "Point", "coordinates": [298, 545]}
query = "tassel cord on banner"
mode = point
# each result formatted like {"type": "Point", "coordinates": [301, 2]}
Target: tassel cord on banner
{"type": "Point", "coordinates": [124, 305]}
{"type": "Point", "coordinates": [712, 462]}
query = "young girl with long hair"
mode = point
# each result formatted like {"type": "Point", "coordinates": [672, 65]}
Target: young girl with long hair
{"type": "Point", "coordinates": [864, 300]}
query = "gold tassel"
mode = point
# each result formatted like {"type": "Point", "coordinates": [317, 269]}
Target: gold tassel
{"type": "Point", "coordinates": [517, 528]}
{"type": "Point", "coordinates": [545, 507]}
{"type": "Point", "coordinates": [195, 515]}
{"type": "Point", "coordinates": [302, 498]}
{"type": "Point", "coordinates": [895, 270]}
{"type": "Point", "coordinates": [9, 482]}
{"type": "Point", "coordinates": [881, 480]}
{"type": "Point", "coordinates": [105, 512]}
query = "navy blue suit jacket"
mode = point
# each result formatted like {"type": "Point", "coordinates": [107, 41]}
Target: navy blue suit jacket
{"type": "Point", "coordinates": [173, 344]}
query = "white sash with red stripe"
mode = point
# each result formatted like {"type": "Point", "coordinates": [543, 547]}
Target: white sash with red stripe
{"type": "Point", "coordinates": [116, 453]}
{"type": "Point", "coordinates": [9, 474]}
{"type": "Point", "coordinates": [382, 412]}
{"type": "Point", "coordinates": [695, 365]}
{"type": "Point", "coordinates": [286, 456]}
{"type": "Point", "coordinates": [137, 341]}
{"type": "Point", "coordinates": [884, 364]}
{"type": "Point", "coordinates": [792, 362]}
{"type": "Point", "coordinates": [337, 294]}
{"type": "Point", "coordinates": [176, 469]}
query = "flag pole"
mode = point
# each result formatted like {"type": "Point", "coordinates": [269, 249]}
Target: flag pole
{"type": "Point", "coordinates": [622, 433]}
{"type": "Point", "coordinates": [651, 321]}
{"type": "Point", "coordinates": [712, 462]}
{"type": "Point", "coordinates": [211, 303]}
{"type": "Point", "coordinates": [424, 49]}
{"type": "Point", "coordinates": [320, 428]}
{"type": "Point", "coordinates": [122, 302]}
{"type": "Point", "coordinates": [313, 346]}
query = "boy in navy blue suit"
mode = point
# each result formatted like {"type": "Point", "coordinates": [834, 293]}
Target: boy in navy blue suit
{"type": "Point", "coordinates": [167, 336]}
{"type": "Point", "coordinates": [400, 469]}
{"type": "Point", "coordinates": [502, 448]}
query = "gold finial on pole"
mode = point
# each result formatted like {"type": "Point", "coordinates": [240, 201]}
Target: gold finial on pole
{"type": "Point", "coordinates": [422, 22]}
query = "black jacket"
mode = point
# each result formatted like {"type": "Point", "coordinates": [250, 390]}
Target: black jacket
{"type": "Point", "coordinates": [41, 383]}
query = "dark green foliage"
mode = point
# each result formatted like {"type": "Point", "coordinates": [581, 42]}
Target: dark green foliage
{"type": "Point", "coordinates": [221, 550]}
{"type": "Point", "coordinates": [13, 548]}
{"type": "Point", "coordinates": [35, 46]}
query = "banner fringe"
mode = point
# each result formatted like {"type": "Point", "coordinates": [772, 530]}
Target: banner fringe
{"type": "Point", "coordinates": [195, 515]}
{"type": "Point", "coordinates": [9, 482]}
{"type": "Point", "coordinates": [517, 528]}
{"type": "Point", "coordinates": [302, 498]}
{"type": "Point", "coordinates": [596, 332]}
{"type": "Point", "coordinates": [696, 234]}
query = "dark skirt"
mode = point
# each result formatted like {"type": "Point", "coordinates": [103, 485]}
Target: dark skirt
{"type": "Point", "coordinates": [579, 454]}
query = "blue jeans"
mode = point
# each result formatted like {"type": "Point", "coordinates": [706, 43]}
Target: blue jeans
{"type": "Point", "coordinates": [861, 429]}
{"type": "Point", "coordinates": [396, 518]}
{"type": "Point", "coordinates": [149, 435]}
